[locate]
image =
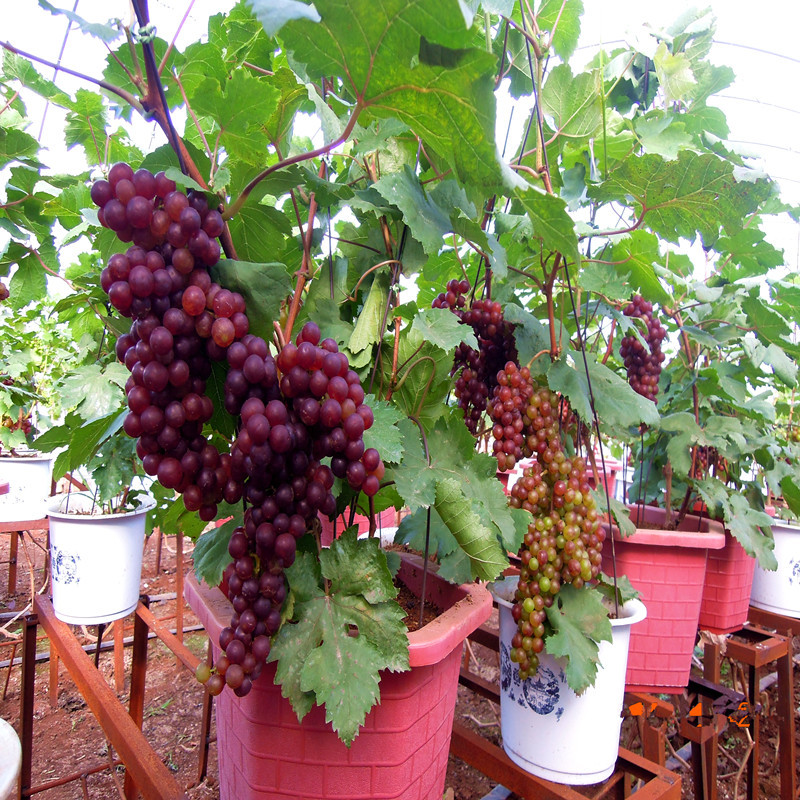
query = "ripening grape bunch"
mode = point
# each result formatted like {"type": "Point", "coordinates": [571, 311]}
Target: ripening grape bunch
{"type": "Point", "coordinates": [476, 370]}
{"type": "Point", "coordinates": [643, 364]}
{"type": "Point", "coordinates": [294, 409]}
{"type": "Point", "coordinates": [564, 540]}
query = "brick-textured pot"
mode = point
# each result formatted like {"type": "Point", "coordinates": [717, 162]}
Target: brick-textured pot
{"type": "Point", "coordinates": [668, 569]}
{"type": "Point", "coordinates": [401, 752]}
{"type": "Point", "coordinates": [386, 519]}
{"type": "Point", "coordinates": [726, 593]}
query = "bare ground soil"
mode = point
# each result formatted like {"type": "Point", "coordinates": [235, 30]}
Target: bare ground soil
{"type": "Point", "coordinates": [69, 742]}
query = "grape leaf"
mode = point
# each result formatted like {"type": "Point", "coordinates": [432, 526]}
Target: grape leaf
{"type": "Point", "coordinates": [106, 33]}
{"type": "Point", "coordinates": [368, 325]}
{"type": "Point", "coordinates": [615, 402]}
{"type": "Point", "coordinates": [564, 18]}
{"type": "Point", "coordinates": [274, 14]}
{"type": "Point", "coordinates": [415, 482]}
{"type": "Point", "coordinates": [427, 221]}
{"type": "Point", "coordinates": [210, 553]}
{"type": "Point", "coordinates": [551, 223]}
{"type": "Point", "coordinates": [240, 111]}
{"type": "Point", "coordinates": [335, 643]}
{"type": "Point", "coordinates": [791, 493]}
{"type": "Point", "coordinates": [487, 558]}
{"type": "Point", "coordinates": [384, 434]}
{"type": "Point", "coordinates": [674, 73]}
{"type": "Point", "coordinates": [573, 102]}
{"type": "Point", "coordinates": [693, 194]}
{"type": "Point", "coordinates": [399, 63]}
{"type": "Point", "coordinates": [748, 524]}
{"type": "Point", "coordinates": [580, 621]}
{"type": "Point", "coordinates": [441, 327]}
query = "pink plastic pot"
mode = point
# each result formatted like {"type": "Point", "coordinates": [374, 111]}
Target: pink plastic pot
{"type": "Point", "coordinates": [609, 477]}
{"type": "Point", "coordinates": [726, 594]}
{"type": "Point", "coordinates": [264, 753]}
{"type": "Point", "coordinates": [668, 569]}
{"type": "Point", "coordinates": [386, 519]}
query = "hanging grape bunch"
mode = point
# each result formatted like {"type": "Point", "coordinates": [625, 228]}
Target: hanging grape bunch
{"type": "Point", "coordinates": [643, 363]}
{"type": "Point", "coordinates": [477, 369]}
{"type": "Point", "coordinates": [564, 540]}
{"type": "Point", "coordinates": [295, 409]}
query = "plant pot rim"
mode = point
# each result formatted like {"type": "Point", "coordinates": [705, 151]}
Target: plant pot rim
{"type": "Point", "coordinates": [453, 625]}
{"type": "Point", "coordinates": [144, 504]}
{"type": "Point", "coordinates": [703, 533]}
{"type": "Point", "coordinates": [633, 610]}
{"type": "Point", "coordinates": [426, 646]}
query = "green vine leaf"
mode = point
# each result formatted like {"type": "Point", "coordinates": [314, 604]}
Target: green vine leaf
{"type": "Point", "coordinates": [442, 328]}
{"type": "Point", "coordinates": [342, 634]}
{"type": "Point", "coordinates": [694, 194]}
{"type": "Point", "coordinates": [552, 223]}
{"type": "Point", "coordinates": [487, 558]}
{"type": "Point", "coordinates": [615, 402]}
{"type": "Point", "coordinates": [274, 14]}
{"type": "Point", "coordinates": [580, 621]}
{"type": "Point", "coordinates": [402, 64]}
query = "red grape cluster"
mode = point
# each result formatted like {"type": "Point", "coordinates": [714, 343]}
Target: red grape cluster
{"type": "Point", "coordinates": [706, 460]}
{"type": "Point", "coordinates": [564, 540]}
{"type": "Point", "coordinates": [295, 410]}
{"type": "Point", "coordinates": [477, 369]}
{"type": "Point", "coordinates": [643, 363]}
{"type": "Point", "coordinates": [23, 420]}
{"type": "Point", "coordinates": [507, 410]}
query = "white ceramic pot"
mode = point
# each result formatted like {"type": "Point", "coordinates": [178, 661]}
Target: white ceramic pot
{"type": "Point", "coordinates": [547, 729]}
{"type": "Point", "coordinates": [96, 560]}
{"type": "Point", "coordinates": [29, 478]}
{"type": "Point", "coordinates": [779, 591]}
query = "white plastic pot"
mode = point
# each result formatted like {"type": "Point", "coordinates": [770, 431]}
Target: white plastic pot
{"type": "Point", "coordinates": [29, 479]}
{"type": "Point", "coordinates": [96, 560]}
{"type": "Point", "coordinates": [779, 591]}
{"type": "Point", "coordinates": [547, 729]}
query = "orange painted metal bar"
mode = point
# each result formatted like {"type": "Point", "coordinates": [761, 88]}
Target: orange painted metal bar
{"type": "Point", "coordinates": [179, 650]}
{"type": "Point", "coordinates": [151, 776]}
{"type": "Point", "coordinates": [659, 783]}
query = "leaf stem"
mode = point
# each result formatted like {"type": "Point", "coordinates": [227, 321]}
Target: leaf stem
{"type": "Point", "coordinates": [236, 206]}
{"type": "Point", "coordinates": [109, 87]}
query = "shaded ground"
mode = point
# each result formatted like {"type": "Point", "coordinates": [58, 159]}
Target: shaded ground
{"type": "Point", "coordinates": [68, 740]}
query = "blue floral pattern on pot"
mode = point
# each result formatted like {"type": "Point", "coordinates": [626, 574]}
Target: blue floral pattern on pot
{"type": "Point", "coordinates": [65, 567]}
{"type": "Point", "coordinates": [540, 693]}
{"type": "Point", "coordinates": [794, 571]}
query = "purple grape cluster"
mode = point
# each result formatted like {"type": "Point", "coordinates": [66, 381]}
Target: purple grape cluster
{"type": "Point", "coordinates": [477, 370]}
{"type": "Point", "coordinates": [643, 363]}
{"type": "Point", "coordinates": [295, 410]}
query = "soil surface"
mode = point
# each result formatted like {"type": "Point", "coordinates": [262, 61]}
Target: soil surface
{"type": "Point", "coordinates": [67, 740]}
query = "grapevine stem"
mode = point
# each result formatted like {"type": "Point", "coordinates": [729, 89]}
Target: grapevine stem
{"type": "Point", "coordinates": [9, 102]}
{"type": "Point", "coordinates": [372, 269]}
{"type": "Point", "coordinates": [236, 206]}
{"type": "Point", "coordinates": [171, 45]}
{"type": "Point", "coordinates": [297, 296]}
{"type": "Point", "coordinates": [109, 87]}
{"type": "Point", "coordinates": [425, 562]}
{"type": "Point", "coordinates": [596, 424]}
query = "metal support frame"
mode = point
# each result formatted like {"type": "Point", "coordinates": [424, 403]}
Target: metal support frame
{"type": "Point", "coordinates": [16, 529]}
{"type": "Point", "coordinates": [145, 771]}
